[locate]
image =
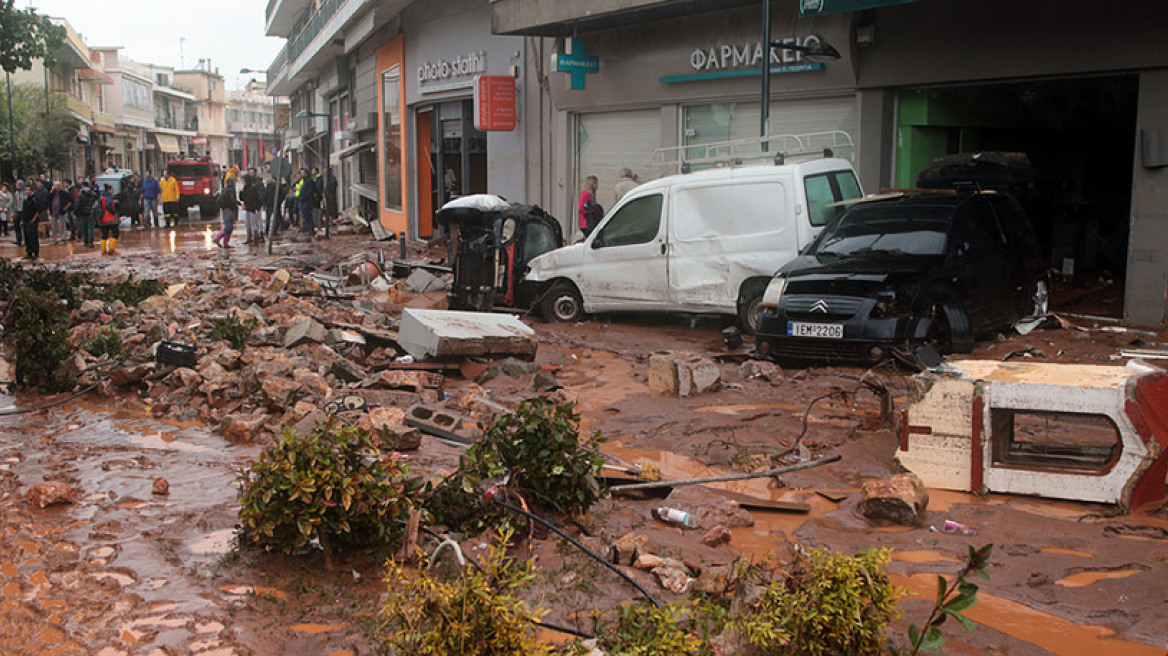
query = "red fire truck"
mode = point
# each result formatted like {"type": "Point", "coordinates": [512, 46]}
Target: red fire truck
{"type": "Point", "coordinates": [198, 184]}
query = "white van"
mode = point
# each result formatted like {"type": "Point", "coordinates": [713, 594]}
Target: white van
{"type": "Point", "coordinates": [705, 242]}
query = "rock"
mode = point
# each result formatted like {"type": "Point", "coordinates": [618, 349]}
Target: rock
{"type": "Point", "coordinates": [159, 303]}
{"type": "Point", "coordinates": [346, 371]}
{"type": "Point", "coordinates": [241, 428]}
{"type": "Point", "coordinates": [716, 536]}
{"type": "Point", "coordinates": [626, 549]}
{"type": "Point", "coordinates": [312, 383]}
{"type": "Point", "coordinates": [648, 561]}
{"type": "Point", "coordinates": [228, 358]}
{"type": "Point", "coordinates": [278, 392]}
{"type": "Point", "coordinates": [681, 373]}
{"type": "Point", "coordinates": [309, 422]}
{"type": "Point", "coordinates": [161, 487]}
{"type": "Point", "coordinates": [768, 371]}
{"type": "Point", "coordinates": [127, 376]}
{"type": "Point", "coordinates": [267, 336]}
{"type": "Point", "coordinates": [675, 579]}
{"type": "Point", "coordinates": [304, 331]}
{"type": "Point", "coordinates": [377, 418]}
{"type": "Point", "coordinates": [90, 310]}
{"type": "Point", "coordinates": [51, 493]}
{"type": "Point", "coordinates": [399, 438]}
{"type": "Point", "coordinates": [339, 336]}
{"type": "Point", "coordinates": [545, 381]}
{"type": "Point", "coordinates": [713, 580]}
{"type": "Point", "coordinates": [279, 280]}
{"type": "Point", "coordinates": [710, 510]}
{"type": "Point", "coordinates": [185, 378]}
{"type": "Point", "coordinates": [299, 411]}
{"type": "Point", "coordinates": [399, 379]}
{"type": "Point", "coordinates": [901, 499]}
{"type": "Point", "coordinates": [422, 281]}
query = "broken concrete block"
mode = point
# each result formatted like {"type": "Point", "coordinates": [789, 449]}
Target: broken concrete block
{"type": "Point", "coordinates": [767, 371]}
{"type": "Point", "coordinates": [303, 331]}
{"type": "Point", "coordinates": [279, 280]}
{"type": "Point", "coordinates": [159, 303]}
{"type": "Point", "coordinates": [51, 493]}
{"type": "Point", "coordinates": [713, 580]}
{"type": "Point", "coordinates": [346, 371]}
{"type": "Point", "coordinates": [446, 334]}
{"type": "Point", "coordinates": [648, 561]}
{"type": "Point", "coordinates": [312, 383]}
{"type": "Point", "coordinates": [422, 281]}
{"type": "Point", "coordinates": [901, 499]}
{"type": "Point", "coordinates": [127, 376]}
{"type": "Point", "coordinates": [338, 336]}
{"type": "Point", "coordinates": [675, 579]}
{"type": "Point", "coordinates": [399, 438]}
{"type": "Point", "coordinates": [241, 428]}
{"type": "Point", "coordinates": [378, 418]}
{"type": "Point", "coordinates": [681, 373]}
{"type": "Point", "coordinates": [278, 392]}
{"type": "Point", "coordinates": [629, 547]}
{"type": "Point", "coordinates": [90, 310]}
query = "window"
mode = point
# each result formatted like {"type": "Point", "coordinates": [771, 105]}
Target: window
{"type": "Point", "coordinates": [1055, 440]}
{"type": "Point", "coordinates": [638, 222]}
{"type": "Point", "coordinates": [391, 126]}
{"type": "Point", "coordinates": [827, 188]}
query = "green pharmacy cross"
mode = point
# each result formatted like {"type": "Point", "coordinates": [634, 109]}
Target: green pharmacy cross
{"type": "Point", "coordinates": [577, 63]}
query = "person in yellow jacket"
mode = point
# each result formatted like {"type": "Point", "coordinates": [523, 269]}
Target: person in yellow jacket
{"type": "Point", "coordinates": [169, 199]}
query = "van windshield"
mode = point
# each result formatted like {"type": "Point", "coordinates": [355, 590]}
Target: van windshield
{"type": "Point", "coordinates": [190, 170]}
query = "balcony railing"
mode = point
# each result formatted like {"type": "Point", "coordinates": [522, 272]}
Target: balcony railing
{"type": "Point", "coordinates": [278, 64]}
{"type": "Point", "coordinates": [312, 27]}
{"type": "Point", "coordinates": [73, 103]}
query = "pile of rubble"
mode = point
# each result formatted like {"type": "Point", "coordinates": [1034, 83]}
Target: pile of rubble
{"type": "Point", "coordinates": [310, 348]}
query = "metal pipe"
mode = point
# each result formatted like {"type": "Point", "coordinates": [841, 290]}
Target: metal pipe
{"type": "Point", "coordinates": [722, 479]}
{"type": "Point", "coordinates": [765, 108]}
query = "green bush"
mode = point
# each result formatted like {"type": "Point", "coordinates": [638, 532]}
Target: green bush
{"type": "Point", "coordinates": [825, 603]}
{"type": "Point", "coordinates": [233, 329]}
{"type": "Point", "coordinates": [329, 485]}
{"type": "Point", "coordinates": [36, 327]}
{"type": "Point", "coordinates": [470, 612]}
{"type": "Point", "coordinates": [107, 341]}
{"type": "Point", "coordinates": [129, 291]}
{"type": "Point", "coordinates": [537, 450]}
{"type": "Point", "coordinates": [642, 629]}
{"type": "Point", "coordinates": [64, 286]}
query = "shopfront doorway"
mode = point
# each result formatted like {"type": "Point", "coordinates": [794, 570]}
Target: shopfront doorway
{"type": "Point", "coordinates": [452, 158]}
{"type": "Point", "coordinates": [1079, 134]}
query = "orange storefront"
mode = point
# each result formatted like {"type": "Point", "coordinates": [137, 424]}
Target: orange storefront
{"type": "Point", "coordinates": [390, 166]}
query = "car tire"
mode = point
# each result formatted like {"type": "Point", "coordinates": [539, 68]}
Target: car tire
{"type": "Point", "coordinates": [951, 331]}
{"type": "Point", "coordinates": [562, 304]}
{"type": "Point", "coordinates": [1040, 298]}
{"type": "Point", "coordinates": [749, 307]}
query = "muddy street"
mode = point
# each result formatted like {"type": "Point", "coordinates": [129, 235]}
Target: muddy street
{"type": "Point", "coordinates": [124, 569]}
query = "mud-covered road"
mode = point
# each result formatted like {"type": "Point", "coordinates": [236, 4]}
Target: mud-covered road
{"type": "Point", "coordinates": [125, 571]}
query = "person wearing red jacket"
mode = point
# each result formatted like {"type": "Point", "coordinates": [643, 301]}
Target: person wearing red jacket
{"type": "Point", "coordinates": [109, 222]}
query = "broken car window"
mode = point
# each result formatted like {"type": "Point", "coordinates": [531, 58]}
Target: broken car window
{"type": "Point", "coordinates": [895, 230]}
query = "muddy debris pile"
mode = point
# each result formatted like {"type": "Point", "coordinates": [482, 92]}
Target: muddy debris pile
{"type": "Point", "coordinates": [254, 353]}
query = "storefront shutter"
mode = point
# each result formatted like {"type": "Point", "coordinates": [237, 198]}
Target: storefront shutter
{"type": "Point", "coordinates": [732, 121]}
{"type": "Point", "coordinates": [609, 141]}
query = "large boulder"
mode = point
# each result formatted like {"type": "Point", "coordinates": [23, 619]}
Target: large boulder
{"type": "Point", "coordinates": [51, 493]}
{"type": "Point", "coordinates": [681, 373]}
{"type": "Point", "coordinates": [304, 331]}
{"type": "Point", "coordinates": [901, 499]}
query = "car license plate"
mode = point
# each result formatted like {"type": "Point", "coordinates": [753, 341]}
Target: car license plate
{"type": "Point", "coordinates": [821, 330]}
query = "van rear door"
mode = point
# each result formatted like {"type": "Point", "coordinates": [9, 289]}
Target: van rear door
{"type": "Point", "coordinates": [624, 262]}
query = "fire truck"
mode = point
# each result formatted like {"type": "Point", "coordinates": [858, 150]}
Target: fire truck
{"type": "Point", "coordinates": [198, 184]}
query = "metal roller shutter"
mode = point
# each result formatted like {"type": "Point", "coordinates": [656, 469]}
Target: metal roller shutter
{"type": "Point", "coordinates": [607, 142]}
{"type": "Point", "coordinates": [731, 121]}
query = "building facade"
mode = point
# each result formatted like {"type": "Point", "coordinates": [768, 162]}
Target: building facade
{"type": "Point", "coordinates": [251, 120]}
{"type": "Point", "coordinates": [171, 134]}
{"type": "Point", "coordinates": [206, 114]}
{"type": "Point", "coordinates": [131, 101]}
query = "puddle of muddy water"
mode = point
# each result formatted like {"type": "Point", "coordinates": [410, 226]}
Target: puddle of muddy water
{"type": "Point", "coordinates": [1083, 579]}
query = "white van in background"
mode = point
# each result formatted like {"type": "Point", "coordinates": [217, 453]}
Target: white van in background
{"type": "Point", "coordinates": [706, 242]}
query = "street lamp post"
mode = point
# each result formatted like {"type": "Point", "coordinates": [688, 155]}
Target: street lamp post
{"type": "Point", "coordinates": [816, 52]}
{"type": "Point", "coordinates": [304, 113]}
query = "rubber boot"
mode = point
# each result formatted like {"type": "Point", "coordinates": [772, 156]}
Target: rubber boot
{"type": "Point", "coordinates": [103, 248]}
{"type": "Point", "coordinates": [227, 240]}
{"type": "Point", "coordinates": [113, 246]}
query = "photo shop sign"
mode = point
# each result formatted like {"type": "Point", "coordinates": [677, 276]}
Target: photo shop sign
{"type": "Point", "coordinates": [744, 59]}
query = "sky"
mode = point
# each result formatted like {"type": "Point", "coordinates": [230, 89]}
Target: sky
{"type": "Point", "coordinates": [228, 32]}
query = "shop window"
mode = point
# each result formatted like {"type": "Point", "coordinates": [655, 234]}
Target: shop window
{"type": "Point", "coordinates": [637, 222]}
{"type": "Point", "coordinates": [391, 125]}
{"type": "Point", "coordinates": [1055, 440]}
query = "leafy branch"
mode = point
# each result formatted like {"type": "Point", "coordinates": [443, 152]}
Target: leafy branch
{"type": "Point", "coordinates": [952, 598]}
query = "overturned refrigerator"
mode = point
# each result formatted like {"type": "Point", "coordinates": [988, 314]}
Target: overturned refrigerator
{"type": "Point", "coordinates": [491, 243]}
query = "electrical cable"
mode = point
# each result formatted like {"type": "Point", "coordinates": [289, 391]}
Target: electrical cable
{"type": "Point", "coordinates": [13, 410]}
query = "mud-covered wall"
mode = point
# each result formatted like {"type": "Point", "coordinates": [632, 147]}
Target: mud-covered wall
{"type": "Point", "coordinates": [1146, 295]}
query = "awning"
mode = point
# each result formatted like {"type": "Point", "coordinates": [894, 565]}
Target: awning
{"type": "Point", "coordinates": [92, 74]}
{"type": "Point", "coordinates": [367, 191]}
{"type": "Point", "coordinates": [354, 149]}
{"type": "Point", "coordinates": [820, 7]}
{"type": "Point", "coordinates": [102, 128]}
{"type": "Point", "coordinates": [166, 143]}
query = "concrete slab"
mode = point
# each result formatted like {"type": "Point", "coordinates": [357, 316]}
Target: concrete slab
{"type": "Point", "coordinates": [447, 334]}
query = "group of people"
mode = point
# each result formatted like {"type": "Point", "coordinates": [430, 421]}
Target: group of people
{"type": "Point", "coordinates": [71, 212]}
{"type": "Point", "coordinates": [310, 200]}
{"type": "Point", "coordinates": [588, 211]}
{"type": "Point", "coordinates": [150, 202]}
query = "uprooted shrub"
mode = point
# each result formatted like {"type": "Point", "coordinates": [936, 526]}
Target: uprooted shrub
{"type": "Point", "coordinates": [62, 285]}
{"type": "Point", "coordinates": [468, 612]}
{"type": "Point", "coordinates": [107, 342]}
{"type": "Point", "coordinates": [332, 485]}
{"type": "Point", "coordinates": [676, 629]}
{"type": "Point", "coordinates": [534, 455]}
{"type": "Point", "coordinates": [823, 603]}
{"type": "Point", "coordinates": [129, 291]}
{"type": "Point", "coordinates": [233, 329]}
{"type": "Point", "coordinates": [36, 328]}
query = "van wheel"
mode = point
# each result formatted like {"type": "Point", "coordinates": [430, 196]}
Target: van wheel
{"type": "Point", "coordinates": [950, 331]}
{"type": "Point", "coordinates": [562, 304]}
{"type": "Point", "coordinates": [750, 305]}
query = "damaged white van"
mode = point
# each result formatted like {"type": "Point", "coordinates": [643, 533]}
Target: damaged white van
{"type": "Point", "coordinates": [706, 242]}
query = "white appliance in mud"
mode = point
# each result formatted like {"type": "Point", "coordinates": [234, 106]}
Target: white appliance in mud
{"type": "Point", "coordinates": [702, 242]}
{"type": "Point", "coordinates": [1063, 431]}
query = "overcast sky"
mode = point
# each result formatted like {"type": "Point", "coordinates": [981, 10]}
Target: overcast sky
{"type": "Point", "coordinates": [228, 32]}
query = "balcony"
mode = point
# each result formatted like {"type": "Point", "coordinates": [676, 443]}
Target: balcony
{"type": "Point", "coordinates": [281, 16]}
{"type": "Point", "coordinates": [74, 105]}
{"type": "Point", "coordinates": [316, 22]}
{"type": "Point", "coordinates": [569, 17]}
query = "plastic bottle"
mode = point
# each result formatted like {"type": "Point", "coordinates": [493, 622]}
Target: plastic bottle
{"type": "Point", "coordinates": [675, 516]}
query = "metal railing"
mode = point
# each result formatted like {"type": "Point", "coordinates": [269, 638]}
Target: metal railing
{"type": "Point", "coordinates": [278, 64]}
{"type": "Point", "coordinates": [752, 149]}
{"type": "Point", "coordinates": [312, 27]}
